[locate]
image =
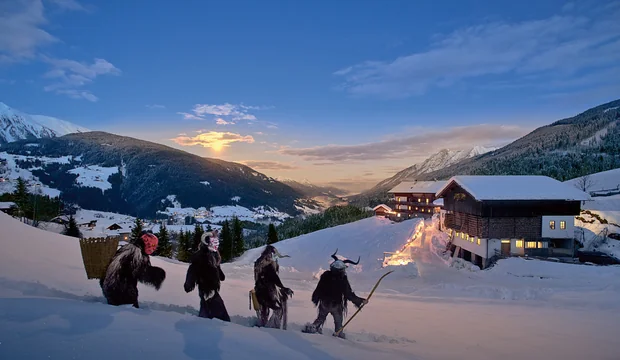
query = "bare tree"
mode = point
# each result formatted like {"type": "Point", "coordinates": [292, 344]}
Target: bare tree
{"type": "Point", "coordinates": [585, 183]}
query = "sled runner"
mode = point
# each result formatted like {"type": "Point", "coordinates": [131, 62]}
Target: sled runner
{"type": "Point", "coordinates": [361, 307]}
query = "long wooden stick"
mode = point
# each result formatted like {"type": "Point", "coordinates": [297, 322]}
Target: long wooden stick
{"type": "Point", "coordinates": [361, 307]}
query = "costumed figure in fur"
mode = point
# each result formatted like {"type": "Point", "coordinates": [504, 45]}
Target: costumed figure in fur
{"type": "Point", "coordinates": [131, 264]}
{"type": "Point", "coordinates": [331, 296]}
{"type": "Point", "coordinates": [205, 271]}
{"type": "Point", "coordinates": [269, 291]}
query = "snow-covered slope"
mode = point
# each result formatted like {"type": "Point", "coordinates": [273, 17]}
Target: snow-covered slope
{"type": "Point", "coordinates": [16, 125]}
{"type": "Point", "coordinates": [434, 313]}
{"type": "Point", "coordinates": [602, 182]}
{"type": "Point", "coordinates": [367, 238]}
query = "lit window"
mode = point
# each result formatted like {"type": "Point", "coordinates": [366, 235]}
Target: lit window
{"type": "Point", "coordinates": [563, 225]}
{"type": "Point", "coordinates": [542, 245]}
{"type": "Point", "coordinates": [409, 207]}
{"type": "Point", "coordinates": [552, 225]}
{"type": "Point", "coordinates": [530, 244]}
{"type": "Point", "coordinates": [419, 200]}
{"type": "Point", "coordinates": [478, 241]}
{"type": "Point", "coordinates": [519, 243]}
{"type": "Point", "coordinates": [427, 201]}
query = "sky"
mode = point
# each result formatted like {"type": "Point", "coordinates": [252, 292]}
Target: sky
{"type": "Point", "coordinates": [336, 92]}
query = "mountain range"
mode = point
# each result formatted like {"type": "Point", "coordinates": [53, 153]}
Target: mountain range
{"type": "Point", "coordinates": [16, 125]}
{"type": "Point", "coordinates": [102, 171]}
{"type": "Point", "coordinates": [437, 161]}
{"type": "Point", "coordinates": [568, 148]}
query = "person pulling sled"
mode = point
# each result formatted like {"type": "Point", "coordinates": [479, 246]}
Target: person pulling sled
{"type": "Point", "coordinates": [205, 271]}
{"type": "Point", "coordinates": [269, 292]}
{"type": "Point", "coordinates": [331, 296]}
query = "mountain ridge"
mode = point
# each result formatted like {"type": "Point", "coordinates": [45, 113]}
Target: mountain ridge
{"type": "Point", "coordinates": [16, 125]}
{"type": "Point", "coordinates": [107, 172]}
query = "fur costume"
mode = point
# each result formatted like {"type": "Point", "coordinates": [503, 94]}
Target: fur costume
{"type": "Point", "coordinates": [331, 296]}
{"type": "Point", "coordinates": [131, 264]}
{"type": "Point", "coordinates": [270, 292]}
{"type": "Point", "coordinates": [205, 271]}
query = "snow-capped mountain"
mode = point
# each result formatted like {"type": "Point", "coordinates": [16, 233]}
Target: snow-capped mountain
{"type": "Point", "coordinates": [107, 172]}
{"type": "Point", "coordinates": [437, 161]}
{"type": "Point", "coordinates": [16, 125]}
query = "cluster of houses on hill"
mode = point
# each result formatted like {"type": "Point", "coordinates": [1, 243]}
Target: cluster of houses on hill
{"type": "Point", "coordinates": [494, 216]}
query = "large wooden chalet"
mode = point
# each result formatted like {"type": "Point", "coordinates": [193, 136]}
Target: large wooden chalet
{"type": "Point", "coordinates": [489, 216]}
{"type": "Point", "coordinates": [415, 198]}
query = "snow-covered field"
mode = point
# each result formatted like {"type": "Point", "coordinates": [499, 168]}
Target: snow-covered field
{"type": "Point", "coordinates": [94, 176]}
{"type": "Point", "coordinates": [519, 309]}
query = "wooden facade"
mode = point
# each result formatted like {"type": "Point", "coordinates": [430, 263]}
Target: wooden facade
{"type": "Point", "coordinates": [501, 219]}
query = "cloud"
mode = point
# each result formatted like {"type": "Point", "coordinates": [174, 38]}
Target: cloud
{"type": "Point", "coordinates": [213, 139]}
{"type": "Point", "coordinates": [21, 33]}
{"type": "Point", "coordinates": [78, 94]}
{"type": "Point", "coordinates": [155, 106]}
{"type": "Point", "coordinates": [188, 116]}
{"type": "Point", "coordinates": [269, 165]}
{"type": "Point", "coordinates": [69, 5]}
{"type": "Point", "coordinates": [70, 75]}
{"type": "Point", "coordinates": [220, 121]}
{"type": "Point", "coordinates": [227, 114]}
{"type": "Point", "coordinates": [547, 49]}
{"type": "Point", "coordinates": [416, 146]}
{"type": "Point", "coordinates": [22, 36]}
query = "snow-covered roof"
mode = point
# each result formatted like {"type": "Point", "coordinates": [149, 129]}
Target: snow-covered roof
{"type": "Point", "coordinates": [418, 187]}
{"type": "Point", "coordinates": [382, 206]}
{"type": "Point", "coordinates": [6, 205]}
{"type": "Point", "coordinates": [438, 202]}
{"type": "Point", "coordinates": [516, 187]}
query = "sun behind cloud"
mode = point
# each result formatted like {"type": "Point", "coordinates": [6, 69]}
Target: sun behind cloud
{"type": "Point", "coordinates": [215, 140]}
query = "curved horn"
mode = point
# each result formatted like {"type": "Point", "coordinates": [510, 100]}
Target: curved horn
{"type": "Point", "coordinates": [334, 255]}
{"type": "Point", "coordinates": [278, 253]}
{"type": "Point", "coordinates": [347, 261]}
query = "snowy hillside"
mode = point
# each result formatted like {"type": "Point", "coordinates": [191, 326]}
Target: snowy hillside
{"type": "Point", "coordinates": [367, 238]}
{"type": "Point", "coordinates": [114, 173]}
{"type": "Point", "coordinates": [426, 310]}
{"type": "Point", "coordinates": [599, 183]}
{"type": "Point", "coordinates": [16, 125]}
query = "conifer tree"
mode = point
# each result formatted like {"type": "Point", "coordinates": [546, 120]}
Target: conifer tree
{"type": "Point", "coordinates": [182, 253]}
{"type": "Point", "coordinates": [226, 242]}
{"type": "Point", "coordinates": [21, 197]}
{"type": "Point", "coordinates": [137, 229]}
{"type": "Point", "coordinates": [72, 229]}
{"type": "Point", "coordinates": [272, 235]}
{"type": "Point", "coordinates": [238, 241]}
{"type": "Point", "coordinates": [164, 247]}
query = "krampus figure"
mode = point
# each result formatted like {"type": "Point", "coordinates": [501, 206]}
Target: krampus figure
{"type": "Point", "coordinates": [131, 264]}
{"type": "Point", "coordinates": [205, 271]}
{"type": "Point", "coordinates": [269, 291]}
{"type": "Point", "coordinates": [331, 295]}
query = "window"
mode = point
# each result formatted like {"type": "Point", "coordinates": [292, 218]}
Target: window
{"type": "Point", "coordinates": [530, 244]}
{"type": "Point", "coordinates": [552, 225]}
{"type": "Point", "coordinates": [427, 201]}
{"type": "Point", "coordinates": [478, 241]}
{"type": "Point", "coordinates": [563, 225]}
{"type": "Point", "coordinates": [543, 245]}
{"type": "Point", "coordinates": [409, 207]}
{"type": "Point", "coordinates": [419, 200]}
{"type": "Point", "coordinates": [519, 243]}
